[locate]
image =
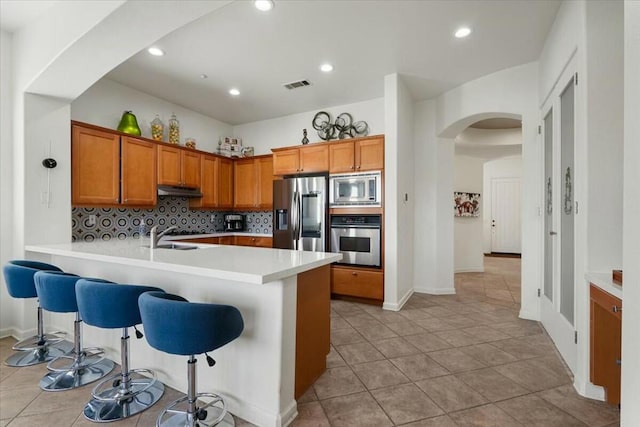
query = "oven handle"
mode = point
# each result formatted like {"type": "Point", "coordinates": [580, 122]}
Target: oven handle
{"type": "Point", "coordinates": [369, 227]}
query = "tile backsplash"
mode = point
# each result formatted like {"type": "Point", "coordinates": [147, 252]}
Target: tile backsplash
{"type": "Point", "coordinates": [120, 223]}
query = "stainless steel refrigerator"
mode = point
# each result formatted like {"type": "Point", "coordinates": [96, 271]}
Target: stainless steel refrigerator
{"type": "Point", "coordinates": [300, 212]}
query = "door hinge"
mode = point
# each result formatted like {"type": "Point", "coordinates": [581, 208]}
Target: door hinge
{"type": "Point", "coordinates": [575, 337]}
{"type": "Point", "coordinates": [538, 292]}
{"type": "Point", "coordinates": [539, 130]}
{"type": "Point", "coordinates": [576, 208]}
{"type": "Point", "coordinates": [576, 79]}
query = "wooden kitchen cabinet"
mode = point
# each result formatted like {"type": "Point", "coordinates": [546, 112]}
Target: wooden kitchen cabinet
{"type": "Point", "coordinates": [138, 172]}
{"type": "Point", "coordinates": [111, 170]}
{"type": "Point", "coordinates": [260, 242]}
{"type": "Point", "coordinates": [363, 154]}
{"type": "Point", "coordinates": [224, 188]}
{"type": "Point", "coordinates": [307, 159]}
{"type": "Point", "coordinates": [253, 183]}
{"type": "Point", "coordinates": [216, 183]}
{"type": "Point", "coordinates": [605, 343]}
{"type": "Point", "coordinates": [178, 167]}
{"type": "Point", "coordinates": [357, 282]}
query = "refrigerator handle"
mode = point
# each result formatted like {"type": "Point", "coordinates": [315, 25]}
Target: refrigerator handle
{"type": "Point", "coordinates": [294, 217]}
{"type": "Point", "coordinates": [299, 214]}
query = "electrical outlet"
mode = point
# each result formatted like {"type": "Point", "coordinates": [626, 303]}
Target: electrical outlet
{"type": "Point", "coordinates": [91, 221]}
{"type": "Point", "coordinates": [213, 218]}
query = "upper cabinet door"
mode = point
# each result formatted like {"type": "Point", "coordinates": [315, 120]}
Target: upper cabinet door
{"type": "Point", "coordinates": [208, 180]}
{"type": "Point", "coordinates": [246, 184]}
{"type": "Point", "coordinates": [190, 169]}
{"type": "Point", "coordinates": [169, 170]}
{"type": "Point", "coordinates": [286, 162]}
{"type": "Point", "coordinates": [138, 167]}
{"type": "Point", "coordinates": [95, 166]}
{"type": "Point", "coordinates": [341, 157]}
{"type": "Point", "coordinates": [224, 186]}
{"type": "Point", "coordinates": [264, 167]}
{"type": "Point", "coordinates": [369, 154]}
{"type": "Point", "coordinates": [314, 158]}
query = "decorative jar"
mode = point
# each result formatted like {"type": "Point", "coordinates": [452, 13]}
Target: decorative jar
{"type": "Point", "coordinates": [174, 130]}
{"type": "Point", "coordinates": [190, 143]}
{"type": "Point", "coordinates": [157, 129]}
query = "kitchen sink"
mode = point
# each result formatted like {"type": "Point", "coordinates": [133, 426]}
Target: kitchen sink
{"type": "Point", "coordinates": [179, 247]}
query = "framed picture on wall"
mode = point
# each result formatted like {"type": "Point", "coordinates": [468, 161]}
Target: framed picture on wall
{"type": "Point", "coordinates": [466, 204]}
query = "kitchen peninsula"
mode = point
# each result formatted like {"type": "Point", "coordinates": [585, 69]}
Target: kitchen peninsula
{"type": "Point", "coordinates": [283, 296]}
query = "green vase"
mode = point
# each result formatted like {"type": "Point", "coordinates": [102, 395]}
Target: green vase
{"type": "Point", "coordinates": [129, 124]}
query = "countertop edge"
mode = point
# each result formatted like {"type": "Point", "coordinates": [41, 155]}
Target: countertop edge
{"type": "Point", "coordinates": [177, 268]}
{"type": "Point", "coordinates": [605, 282]}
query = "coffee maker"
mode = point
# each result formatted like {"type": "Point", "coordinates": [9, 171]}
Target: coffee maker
{"type": "Point", "coordinates": [234, 222]}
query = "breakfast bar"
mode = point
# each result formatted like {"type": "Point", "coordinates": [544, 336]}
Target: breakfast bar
{"type": "Point", "coordinates": [283, 297]}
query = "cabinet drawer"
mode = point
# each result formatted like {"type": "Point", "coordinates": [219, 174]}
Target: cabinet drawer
{"type": "Point", "coordinates": [261, 242]}
{"type": "Point", "coordinates": [209, 240]}
{"type": "Point", "coordinates": [357, 283]}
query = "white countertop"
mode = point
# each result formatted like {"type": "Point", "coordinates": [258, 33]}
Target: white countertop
{"type": "Point", "coordinates": [238, 263]}
{"type": "Point", "coordinates": [605, 282]}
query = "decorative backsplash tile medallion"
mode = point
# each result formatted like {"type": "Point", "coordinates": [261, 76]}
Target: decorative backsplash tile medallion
{"type": "Point", "coordinates": [120, 223]}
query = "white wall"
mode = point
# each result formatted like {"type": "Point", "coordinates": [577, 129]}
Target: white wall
{"type": "Point", "coordinates": [630, 415]}
{"type": "Point", "coordinates": [605, 129]}
{"type": "Point", "coordinates": [425, 253]}
{"type": "Point", "coordinates": [103, 103]}
{"type": "Point", "coordinates": [285, 131]}
{"type": "Point", "coordinates": [490, 136]}
{"type": "Point", "coordinates": [398, 187]}
{"type": "Point", "coordinates": [507, 93]}
{"type": "Point", "coordinates": [6, 169]}
{"type": "Point", "coordinates": [467, 231]}
{"type": "Point", "coordinates": [508, 167]}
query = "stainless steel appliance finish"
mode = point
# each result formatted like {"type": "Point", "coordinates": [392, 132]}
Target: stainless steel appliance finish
{"type": "Point", "coordinates": [167, 190]}
{"type": "Point", "coordinates": [234, 222]}
{"type": "Point", "coordinates": [300, 213]}
{"type": "Point", "coordinates": [355, 190]}
{"type": "Point", "coordinates": [357, 238]}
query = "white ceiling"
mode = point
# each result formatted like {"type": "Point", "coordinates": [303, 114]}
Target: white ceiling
{"type": "Point", "coordinates": [16, 13]}
{"type": "Point", "coordinates": [257, 52]}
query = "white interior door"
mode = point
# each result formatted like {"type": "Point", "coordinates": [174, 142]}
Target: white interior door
{"type": "Point", "coordinates": [557, 305]}
{"type": "Point", "coordinates": [505, 215]}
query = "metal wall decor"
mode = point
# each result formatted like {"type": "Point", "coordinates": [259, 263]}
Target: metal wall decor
{"type": "Point", "coordinates": [343, 127]}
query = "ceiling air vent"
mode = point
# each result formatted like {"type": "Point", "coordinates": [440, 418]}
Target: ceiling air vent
{"type": "Point", "coordinates": [296, 85]}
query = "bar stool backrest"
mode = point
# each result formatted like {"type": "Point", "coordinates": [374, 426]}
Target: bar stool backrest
{"type": "Point", "coordinates": [176, 326]}
{"type": "Point", "coordinates": [18, 274]}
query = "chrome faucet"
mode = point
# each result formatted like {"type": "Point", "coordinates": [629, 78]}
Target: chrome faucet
{"type": "Point", "coordinates": [155, 236]}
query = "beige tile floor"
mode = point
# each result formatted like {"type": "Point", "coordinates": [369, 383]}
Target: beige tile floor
{"type": "Point", "coordinates": [458, 360]}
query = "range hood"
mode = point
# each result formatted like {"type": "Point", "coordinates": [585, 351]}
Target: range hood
{"type": "Point", "coordinates": [167, 190]}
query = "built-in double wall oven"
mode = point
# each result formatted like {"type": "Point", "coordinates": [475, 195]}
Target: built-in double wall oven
{"type": "Point", "coordinates": [357, 238]}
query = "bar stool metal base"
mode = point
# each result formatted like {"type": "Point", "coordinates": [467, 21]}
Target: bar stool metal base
{"type": "Point", "coordinates": [85, 369]}
{"type": "Point", "coordinates": [212, 415]}
{"type": "Point", "coordinates": [37, 355]}
{"type": "Point", "coordinates": [118, 402]}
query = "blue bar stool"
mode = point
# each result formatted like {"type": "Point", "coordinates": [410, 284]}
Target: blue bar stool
{"type": "Point", "coordinates": [18, 275]}
{"type": "Point", "coordinates": [83, 365]}
{"type": "Point", "coordinates": [175, 326]}
{"type": "Point", "coordinates": [129, 392]}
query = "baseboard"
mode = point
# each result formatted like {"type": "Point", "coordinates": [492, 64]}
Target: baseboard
{"type": "Point", "coordinates": [435, 291]}
{"type": "Point", "coordinates": [529, 315]}
{"type": "Point", "coordinates": [398, 306]}
{"type": "Point", "coordinates": [18, 335]}
{"type": "Point", "coordinates": [289, 414]}
{"type": "Point", "coordinates": [589, 390]}
{"type": "Point", "coordinates": [479, 269]}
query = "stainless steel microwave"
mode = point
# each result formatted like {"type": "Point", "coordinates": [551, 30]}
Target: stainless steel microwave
{"type": "Point", "coordinates": [355, 189]}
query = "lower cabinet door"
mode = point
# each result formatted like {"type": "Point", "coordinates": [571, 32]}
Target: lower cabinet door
{"type": "Point", "coordinates": [357, 282]}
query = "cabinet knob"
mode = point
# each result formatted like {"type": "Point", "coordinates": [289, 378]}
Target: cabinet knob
{"type": "Point", "coordinates": [117, 199]}
{"type": "Point", "coordinates": [126, 200]}
{"type": "Point", "coordinates": [616, 309]}
{"type": "Point", "coordinates": [618, 362]}
{"type": "Point", "coordinates": [358, 167]}
{"type": "Point", "coordinates": [353, 273]}
{"type": "Point", "coordinates": [351, 168]}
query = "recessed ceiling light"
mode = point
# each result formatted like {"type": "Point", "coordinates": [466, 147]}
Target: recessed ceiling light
{"type": "Point", "coordinates": [326, 67]}
{"type": "Point", "coordinates": [462, 32]}
{"type": "Point", "coordinates": [234, 91]}
{"type": "Point", "coordinates": [263, 5]}
{"type": "Point", "coordinates": [155, 51]}
{"type": "Point", "coordinates": [204, 76]}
